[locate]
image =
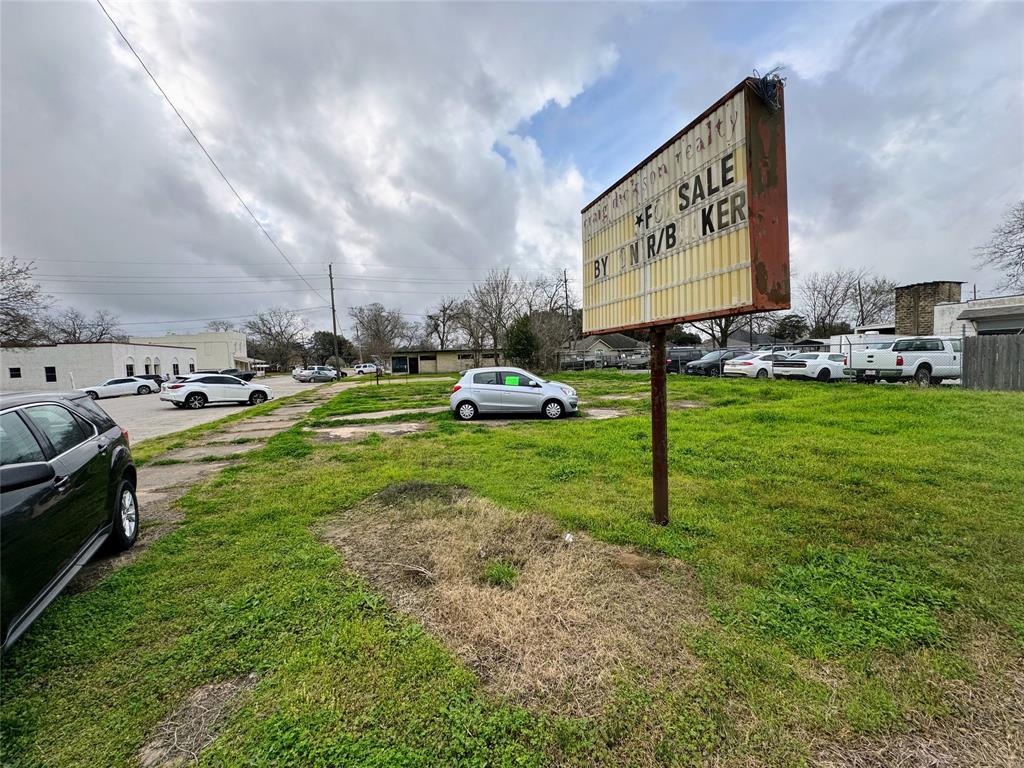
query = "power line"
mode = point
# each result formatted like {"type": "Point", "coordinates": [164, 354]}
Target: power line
{"type": "Point", "coordinates": [260, 279]}
{"type": "Point", "coordinates": [203, 148]}
{"type": "Point", "coordinates": [418, 266]}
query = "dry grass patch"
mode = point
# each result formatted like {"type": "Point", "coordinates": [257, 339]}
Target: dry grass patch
{"type": "Point", "coordinates": [180, 738]}
{"type": "Point", "coordinates": [544, 620]}
{"type": "Point", "coordinates": [984, 729]}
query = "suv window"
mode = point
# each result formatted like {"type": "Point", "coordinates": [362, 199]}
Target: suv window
{"type": "Point", "coordinates": [487, 377]}
{"type": "Point", "coordinates": [63, 429]}
{"type": "Point", "coordinates": [17, 444]}
{"type": "Point", "coordinates": [99, 416]}
{"type": "Point", "coordinates": [955, 343]}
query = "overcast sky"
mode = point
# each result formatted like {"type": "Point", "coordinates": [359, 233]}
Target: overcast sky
{"type": "Point", "coordinates": [418, 145]}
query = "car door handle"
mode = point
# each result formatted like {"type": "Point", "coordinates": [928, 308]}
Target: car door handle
{"type": "Point", "coordinates": [62, 483]}
{"type": "Point", "coordinates": [101, 446]}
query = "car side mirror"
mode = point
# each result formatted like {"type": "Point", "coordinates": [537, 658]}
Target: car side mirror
{"type": "Point", "coordinates": [19, 476]}
{"type": "Point", "coordinates": [535, 384]}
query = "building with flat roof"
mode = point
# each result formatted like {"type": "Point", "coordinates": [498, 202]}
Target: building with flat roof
{"type": "Point", "coordinates": [915, 305]}
{"type": "Point", "coordinates": [980, 317]}
{"type": "Point", "coordinates": [441, 360]}
{"type": "Point", "coordinates": [59, 367]}
{"type": "Point", "coordinates": [216, 349]}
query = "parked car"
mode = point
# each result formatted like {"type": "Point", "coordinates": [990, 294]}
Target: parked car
{"type": "Point", "coordinates": [127, 385]}
{"type": "Point", "coordinates": [197, 390]}
{"type": "Point", "coordinates": [820, 366]}
{"type": "Point", "coordinates": [239, 374]}
{"type": "Point", "coordinates": [156, 378]}
{"type": "Point", "coordinates": [510, 390]}
{"type": "Point", "coordinates": [712, 362]}
{"type": "Point", "coordinates": [67, 487]}
{"type": "Point", "coordinates": [678, 357]}
{"type": "Point", "coordinates": [924, 359]}
{"type": "Point", "coordinates": [319, 373]}
{"type": "Point", "coordinates": [366, 368]}
{"type": "Point", "coordinates": [755, 365]}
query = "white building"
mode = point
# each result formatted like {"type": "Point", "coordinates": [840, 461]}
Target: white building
{"type": "Point", "coordinates": [216, 349]}
{"type": "Point", "coordinates": [999, 314]}
{"type": "Point", "coordinates": [60, 367]}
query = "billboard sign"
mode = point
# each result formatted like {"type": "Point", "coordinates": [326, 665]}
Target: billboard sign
{"type": "Point", "coordinates": [699, 229]}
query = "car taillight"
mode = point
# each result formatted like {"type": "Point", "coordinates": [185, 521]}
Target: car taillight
{"type": "Point", "coordinates": [899, 359]}
{"type": "Point", "coordinates": [176, 386]}
{"type": "Point", "coordinates": [456, 388]}
{"type": "Point", "coordinates": [124, 434]}
{"type": "Point", "coordinates": [743, 362]}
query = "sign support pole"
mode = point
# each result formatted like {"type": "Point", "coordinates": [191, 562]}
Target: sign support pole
{"type": "Point", "coordinates": [659, 426]}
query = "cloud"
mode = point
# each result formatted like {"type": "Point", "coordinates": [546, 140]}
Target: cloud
{"type": "Point", "coordinates": [415, 145]}
{"type": "Point", "coordinates": [359, 134]}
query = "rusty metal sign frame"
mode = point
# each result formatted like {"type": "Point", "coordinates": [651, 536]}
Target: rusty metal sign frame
{"type": "Point", "coordinates": [768, 208]}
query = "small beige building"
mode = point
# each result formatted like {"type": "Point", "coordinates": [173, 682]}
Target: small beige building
{"type": "Point", "coordinates": [441, 360]}
{"type": "Point", "coordinates": [215, 349]}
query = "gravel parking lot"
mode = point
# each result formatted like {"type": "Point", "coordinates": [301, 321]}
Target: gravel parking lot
{"type": "Point", "coordinates": [146, 416]}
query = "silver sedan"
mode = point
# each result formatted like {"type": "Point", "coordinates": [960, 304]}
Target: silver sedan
{"type": "Point", "coordinates": [510, 390]}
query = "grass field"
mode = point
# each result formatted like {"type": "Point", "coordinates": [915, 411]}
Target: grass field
{"type": "Point", "coordinates": [842, 580]}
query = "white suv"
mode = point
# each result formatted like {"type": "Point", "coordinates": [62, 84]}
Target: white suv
{"type": "Point", "coordinates": [199, 389]}
{"type": "Point", "coordinates": [367, 368]}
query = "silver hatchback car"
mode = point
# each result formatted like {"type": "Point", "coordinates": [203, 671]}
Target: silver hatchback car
{"type": "Point", "coordinates": [510, 390]}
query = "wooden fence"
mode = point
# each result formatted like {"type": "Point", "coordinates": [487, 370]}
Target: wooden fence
{"type": "Point", "coordinates": [993, 362]}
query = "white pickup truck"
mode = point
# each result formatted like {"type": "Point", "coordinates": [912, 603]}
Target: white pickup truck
{"type": "Point", "coordinates": [924, 359]}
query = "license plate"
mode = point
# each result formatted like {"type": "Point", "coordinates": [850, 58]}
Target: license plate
{"type": "Point", "coordinates": [871, 372]}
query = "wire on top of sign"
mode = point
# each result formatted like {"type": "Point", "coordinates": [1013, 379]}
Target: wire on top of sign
{"type": "Point", "coordinates": [769, 87]}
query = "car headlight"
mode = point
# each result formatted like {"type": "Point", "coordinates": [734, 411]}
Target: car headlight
{"type": "Point", "coordinates": [569, 391]}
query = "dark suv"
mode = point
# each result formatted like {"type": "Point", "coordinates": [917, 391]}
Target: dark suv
{"type": "Point", "coordinates": [678, 357]}
{"type": "Point", "coordinates": [67, 487]}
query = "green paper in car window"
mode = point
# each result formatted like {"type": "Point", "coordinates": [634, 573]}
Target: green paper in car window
{"type": "Point", "coordinates": [511, 381]}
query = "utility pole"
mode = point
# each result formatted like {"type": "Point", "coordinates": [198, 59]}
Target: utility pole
{"type": "Point", "coordinates": [334, 317]}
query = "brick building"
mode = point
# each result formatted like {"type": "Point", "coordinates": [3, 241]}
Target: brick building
{"type": "Point", "coordinates": [915, 305]}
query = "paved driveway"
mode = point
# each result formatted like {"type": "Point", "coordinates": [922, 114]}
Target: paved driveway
{"type": "Point", "coordinates": [146, 416]}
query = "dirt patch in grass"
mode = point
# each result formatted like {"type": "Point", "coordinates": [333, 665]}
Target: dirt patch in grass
{"type": "Point", "coordinates": [683, 405]}
{"type": "Point", "coordinates": [546, 620]}
{"type": "Point", "coordinates": [359, 431]}
{"type": "Point", "coordinates": [599, 414]}
{"type": "Point", "coordinates": [180, 738]}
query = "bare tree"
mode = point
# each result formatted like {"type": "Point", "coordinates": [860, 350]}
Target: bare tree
{"type": "Point", "coordinates": [22, 303]}
{"type": "Point", "coordinates": [380, 330]}
{"type": "Point", "coordinates": [71, 326]}
{"type": "Point", "coordinates": [719, 329]}
{"type": "Point", "coordinates": [440, 325]}
{"type": "Point", "coordinates": [1005, 251]}
{"type": "Point", "coordinates": [276, 335]}
{"type": "Point", "coordinates": [827, 299]}
{"type": "Point", "coordinates": [472, 325]}
{"type": "Point", "coordinates": [497, 301]}
{"type": "Point", "coordinates": [873, 298]}
{"type": "Point", "coordinates": [220, 326]}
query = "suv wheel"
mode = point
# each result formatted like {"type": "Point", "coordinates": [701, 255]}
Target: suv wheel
{"type": "Point", "coordinates": [257, 397]}
{"type": "Point", "coordinates": [553, 409]}
{"type": "Point", "coordinates": [195, 400]}
{"type": "Point", "coordinates": [143, 390]}
{"type": "Point", "coordinates": [125, 528]}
